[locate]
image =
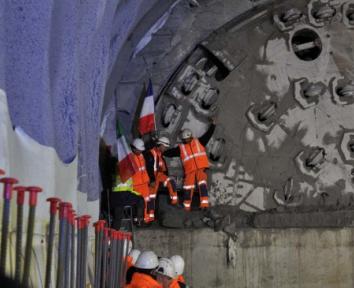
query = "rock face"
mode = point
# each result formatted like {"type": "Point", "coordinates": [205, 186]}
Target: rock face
{"type": "Point", "coordinates": [230, 219]}
{"type": "Point", "coordinates": [278, 78]}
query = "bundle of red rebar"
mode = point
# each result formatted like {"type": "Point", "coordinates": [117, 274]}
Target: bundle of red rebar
{"type": "Point", "coordinates": [111, 246]}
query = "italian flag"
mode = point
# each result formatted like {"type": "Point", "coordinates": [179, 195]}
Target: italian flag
{"type": "Point", "coordinates": [147, 116]}
{"type": "Point", "coordinates": [126, 164]}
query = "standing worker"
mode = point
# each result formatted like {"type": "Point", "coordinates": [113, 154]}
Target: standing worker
{"type": "Point", "coordinates": [195, 161]}
{"type": "Point", "coordinates": [157, 170]}
{"type": "Point", "coordinates": [141, 180]}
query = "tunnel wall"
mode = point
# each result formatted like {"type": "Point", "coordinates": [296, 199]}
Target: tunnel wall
{"type": "Point", "coordinates": [274, 258]}
{"type": "Point", "coordinates": [255, 167]}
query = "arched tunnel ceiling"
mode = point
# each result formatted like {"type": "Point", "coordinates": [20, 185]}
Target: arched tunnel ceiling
{"type": "Point", "coordinates": [186, 25]}
{"type": "Point", "coordinates": [279, 80]}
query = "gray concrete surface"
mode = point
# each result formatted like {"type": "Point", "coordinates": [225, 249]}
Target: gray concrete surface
{"type": "Point", "coordinates": [259, 258]}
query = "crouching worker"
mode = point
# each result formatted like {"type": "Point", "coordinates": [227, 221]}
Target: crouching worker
{"type": "Point", "coordinates": [157, 170]}
{"type": "Point", "coordinates": [122, 195]}
{"type": "Point", "coordinates": [141, 274]}
{"type": "Point", "coordinates": [195, 161]}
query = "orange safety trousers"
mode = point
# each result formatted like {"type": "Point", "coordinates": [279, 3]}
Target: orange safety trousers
{"type": "Point", "coordinates": [162, 178]}
{"type": "Point", "coordinates": [144, 191]}
{"type": "Point", "coordinates": [200, 178]}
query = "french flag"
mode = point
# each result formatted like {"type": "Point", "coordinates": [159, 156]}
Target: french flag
{"type": "Point", "coordinates": [147, 116]}
{"type": "Point", "coordinates": [126, 164]}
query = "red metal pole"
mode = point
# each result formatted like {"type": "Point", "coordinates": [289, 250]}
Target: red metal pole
{"type": "Point", "coordinates": [8, 186]}
{"type": "Point", "coordinates": [104, 258]}
{"type": "Point", "coordinates": [19, 227]}
{"type": "Point", "coordinates": [78, 255]}
{"type": "Point", "coordinates": [72, 260]}
{"type": "Point", "coordinates": [85, 220]}
{"type": "Point", "coordinates": [64, 208]}
{"type": "Point", "coordinates": [127, 236]}
{"type": "Point", "coordinates": [33, 190]}
{"type": "Point", "coordinates": [54, 202]}
{"type": "Point", "coordinates": [99, 227]}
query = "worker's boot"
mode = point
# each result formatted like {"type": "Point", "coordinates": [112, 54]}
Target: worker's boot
{"type": "Point", "coordinates": [151, 215]}
{"type": "Point", "coordinates": [204, 199]}
{"type": "Point", "coordinates": [151, 208]}
{"type": "Point", "coordinates": [187, 201]}
{"type": "Point", "coordinates": [171, 186]}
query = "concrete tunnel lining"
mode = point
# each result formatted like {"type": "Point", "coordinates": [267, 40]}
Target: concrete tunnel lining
{"type": "Point", "coordinates": [171, 240]}
{"type": "Point", "coordinates": [291, 265]}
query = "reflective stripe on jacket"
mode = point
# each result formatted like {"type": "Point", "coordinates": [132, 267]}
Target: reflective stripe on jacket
{"type": "Point", "coordinates": [193, 156]}
{"type": "Point", "coordinates": [126, 186]}
{"type": "Point", "coordinates": [159, 162]}
{"type": "Point", "coordinates": [123, 186]}
{"type": "Point", "coordinates": [141, 176]}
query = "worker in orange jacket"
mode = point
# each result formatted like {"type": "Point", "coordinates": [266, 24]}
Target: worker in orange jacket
{"type": "Point", "coordinates": [157, 170]}
{"type": "Point", "coordinates": [141, 280]}
{"type": "Point", "coordinates": [195, 160]}
{"type": "Point", "coordinates": [141, 178]}
{"type": "Point", "coordinates": [143, 277]}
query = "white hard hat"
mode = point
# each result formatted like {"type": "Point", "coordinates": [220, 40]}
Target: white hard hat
{"type": "Point", "coordinates": [138, 144]}
{"type": "Point", "coordinates": [135, 255]}
{"type": "Point", "coordinates": [186, 133]}
{"type": "Point", "coordinates": [163, 141]}
{"type": "Point", "coordinates": [147, 260]}
{"type": "Point", "coordinates": [179, 264]}
{"type": "Point", "coordinates": [166, 267]}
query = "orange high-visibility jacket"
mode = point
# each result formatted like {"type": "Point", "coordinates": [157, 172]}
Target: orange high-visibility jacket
{"type": "Point", "coordinates": [159, 163]}
{"type": "Point", "coordinates": [174, 284]}
{"type": "Point", "coordinates": [193, 156]}
{"type": "Point", "coordinates": [177, 283]}
{"type": "Point", "coordinates": [141, 176]}
{"type": "Point", "coordinates": [129, 261]}
{"type": "Point", "coordinates": [141, 280]}
{"type": "Point", "coordinates": [181, 279]}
